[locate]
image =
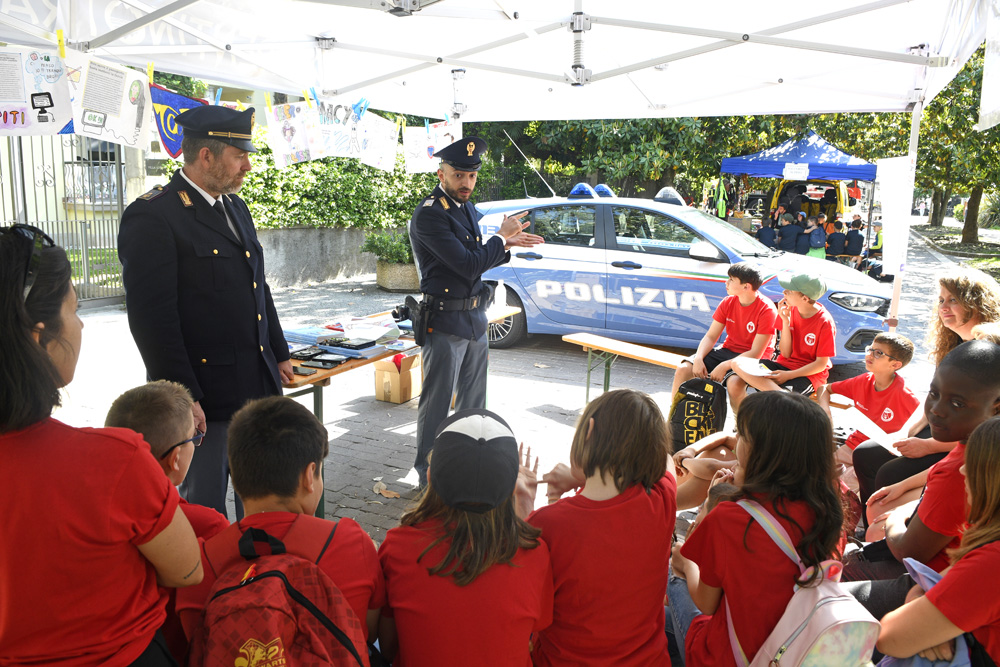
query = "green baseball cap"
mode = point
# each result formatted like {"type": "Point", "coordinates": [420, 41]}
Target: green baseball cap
{"type": "Point", "coordinates": [808, 284]}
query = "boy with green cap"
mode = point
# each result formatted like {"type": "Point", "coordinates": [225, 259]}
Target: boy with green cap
{"type": "Point", "coordinates": [808, 341]}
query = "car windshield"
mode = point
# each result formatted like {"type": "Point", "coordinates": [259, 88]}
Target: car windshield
{"type": "Point", "coordinates": [736, 240]}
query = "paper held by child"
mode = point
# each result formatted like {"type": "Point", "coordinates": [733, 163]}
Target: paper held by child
{"type": "Point", "coordinates": [854, 419]}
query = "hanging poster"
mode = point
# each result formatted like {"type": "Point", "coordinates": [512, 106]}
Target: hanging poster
{"type": "Point", "coordinates": [420, 144]}
{"type": "Point", "coordinates": [379, 141]}
{"type": "Point", "coordinates": [167, 105]}
{"type": "Point", "coordinates": [288, 127]}
{"type": "Point", "coordinates": [110, 102]}
{"type": "Point", "coordinates": [34, 95]}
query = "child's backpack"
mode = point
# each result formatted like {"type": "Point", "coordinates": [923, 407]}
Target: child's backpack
{"type": "Point", "coordinates": [822, 626]}
{"type": "Point", "coordinates": [817, 238]}
{"type": "Point", "coordinates": [281, 610]}
{"type": "Point", "coordinates": [699, 409]}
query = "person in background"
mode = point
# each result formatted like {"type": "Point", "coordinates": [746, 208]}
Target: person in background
{"type": "Point", "coordinates": [766, 234]}
{"type": "Point", "coordinates": [91, 525]}
{"type": "Point", "coordinates": [836, 242]}
{"type": "Point", "coordinates": [855, 239]}
{"type": "Point", "coordinates": [875, 251]}
{"type": "Point", "coordinates": [788, 232]}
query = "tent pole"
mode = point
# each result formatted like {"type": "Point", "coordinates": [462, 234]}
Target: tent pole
{"type": "Point", "coordinates": [897, 282]}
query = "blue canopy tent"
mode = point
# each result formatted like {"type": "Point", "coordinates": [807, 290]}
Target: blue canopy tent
{"type": "Point", "coordinates": [813, 156]}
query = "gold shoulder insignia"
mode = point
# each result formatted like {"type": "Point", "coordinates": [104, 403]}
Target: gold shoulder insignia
{"type": "Point", "coordinates": [158, 191]}
{"type": "Point", "coordinates": [429, 202]}
{"type": "Point", "coordinates": [185, 198]}
{"type": "Point", "coordinates": [444, 202]}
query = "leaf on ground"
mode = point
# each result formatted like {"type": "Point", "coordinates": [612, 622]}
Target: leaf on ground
{"type": "Point", "coordinates": [541, 366]}
{"type": "Point", "coordinates": [384, 491]}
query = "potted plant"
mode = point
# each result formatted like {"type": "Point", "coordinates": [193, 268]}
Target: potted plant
{"type": "Point", "coordinates": [395, 270]}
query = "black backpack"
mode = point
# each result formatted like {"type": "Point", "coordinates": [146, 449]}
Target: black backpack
{"type": "Point", "coordinates": [699, 409]}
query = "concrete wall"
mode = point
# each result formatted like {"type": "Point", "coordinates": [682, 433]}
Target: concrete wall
{"type": "Point", "coordinates": [309, 255]}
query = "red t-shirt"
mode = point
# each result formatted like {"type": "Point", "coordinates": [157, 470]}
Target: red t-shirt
{"type": "Point", "coordinates": [812, 337]}
{"type": "Point", "coordinates": [968, 600]}
{"type": "Point", "coordinates": [350, 560]}
{"type": "Point", "coordinates": [76, 504]}
{"type": "Point", "coordinates": [756, 577]}
{"type": "Point", "coordinates": [489, 621]}
{"type": "Point", "coordinates": [743, 323]}
{"type": "Point", "coordinates": [609, 566]}
{"type": "Point", "coordinates": [206, 522]}
{"type": "Point", "coordinates": [943, 507]}
{"type": "Point", "coordinates": [890, 408]}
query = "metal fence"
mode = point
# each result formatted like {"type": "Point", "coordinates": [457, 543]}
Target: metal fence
{"type": "Point", "coordinates": [71, 187]}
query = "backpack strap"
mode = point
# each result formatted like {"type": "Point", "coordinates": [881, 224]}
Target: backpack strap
{"type": "Point", "coordinates": [734, 642]}
{"type": "Point", "coordinates": [310, 535]}
{"type": "Point", "coordinates": [773, 529]}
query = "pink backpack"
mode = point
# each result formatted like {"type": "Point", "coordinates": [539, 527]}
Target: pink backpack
{"type": "Point", "coordinates": [823, 625]}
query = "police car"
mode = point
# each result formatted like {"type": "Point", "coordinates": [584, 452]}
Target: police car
{"type": "Point", "coordinates": [649, 272]}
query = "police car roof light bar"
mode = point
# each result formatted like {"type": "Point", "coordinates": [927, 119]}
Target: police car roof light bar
{"type": "Point", "coordinates": [603, 190]}
{"type": "Point", "coordinates": [582, 191]}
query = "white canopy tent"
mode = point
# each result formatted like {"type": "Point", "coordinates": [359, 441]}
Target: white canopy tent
{"type": "Point", "coordinates": [545, 59]}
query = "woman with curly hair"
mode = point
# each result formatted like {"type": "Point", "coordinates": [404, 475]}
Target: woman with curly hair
{"type": "Point", "coordinates": [967, 298]}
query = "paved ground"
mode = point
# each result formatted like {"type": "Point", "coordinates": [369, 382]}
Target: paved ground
{"type": "Point", "coordinates": [538, 387]}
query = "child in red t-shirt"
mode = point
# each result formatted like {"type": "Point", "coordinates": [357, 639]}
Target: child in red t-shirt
{"type": "Point", "coordinates": [610, 543]}
{"type": "Point", "coordinates": [161, 412]}
{"type": "Point", "coordinates": [881, 395]}
{"type": "Point", "coordinates": [729, 557]}
{"type": "Point", "coordinates": [964, 393]}
{"type": "Point", "coordinates": [276, 453]}
{"type": "Point", "coordinates": [467, 580]}
{"type": "Point", "coordinates": [964, 600]}
{"type": "Point", "coordinates": [808, 342]}
{"type": "Point", "coordinates": [747, 318]}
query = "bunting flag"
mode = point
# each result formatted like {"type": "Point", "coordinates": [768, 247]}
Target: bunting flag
{"type": "Point", "coordinates": [166, 107]}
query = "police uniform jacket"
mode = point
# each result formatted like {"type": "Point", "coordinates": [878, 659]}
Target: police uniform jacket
{"type": "Point", "coordinates": [198, 306]}
{"type": "Point", "coordinates": [452, 257]}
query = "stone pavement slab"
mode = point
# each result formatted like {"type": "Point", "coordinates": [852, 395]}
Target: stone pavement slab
{"type": "Point", "coordinates": [538, 387]}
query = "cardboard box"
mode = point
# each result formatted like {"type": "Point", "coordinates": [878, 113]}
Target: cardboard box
{"type": "Point", "coordinates": [398, 386]}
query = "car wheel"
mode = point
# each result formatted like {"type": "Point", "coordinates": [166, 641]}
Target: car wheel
{"type": "Point", "coordinates": [510, 330]}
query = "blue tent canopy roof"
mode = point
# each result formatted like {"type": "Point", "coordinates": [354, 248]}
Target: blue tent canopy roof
{"type": "Point", "coordinates": [825, 161]}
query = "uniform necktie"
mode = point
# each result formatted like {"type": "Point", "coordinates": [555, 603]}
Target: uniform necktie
{"type": "Point", "coordinates": [221, 209]}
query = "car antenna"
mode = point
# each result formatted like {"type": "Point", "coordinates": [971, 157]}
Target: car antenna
{"type": "Point", "coordinates": [530, 165]}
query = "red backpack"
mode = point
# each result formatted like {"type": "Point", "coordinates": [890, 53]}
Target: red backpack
{"type": "Point", "coordinates": [281, 610]}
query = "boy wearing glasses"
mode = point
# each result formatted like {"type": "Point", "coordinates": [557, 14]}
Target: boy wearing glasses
{"type": "Point", "coordinates": [881, 395]}
{"type": "Point", "coordinates": [160, 411]}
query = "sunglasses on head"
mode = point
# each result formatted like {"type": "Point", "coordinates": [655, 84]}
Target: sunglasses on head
{"type": "Point", "coordinates": [195, 440]}
{"type": "Point", "coordinates": [39, 240]}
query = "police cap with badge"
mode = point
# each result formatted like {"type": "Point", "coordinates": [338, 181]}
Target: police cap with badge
{"type": "Point", "coordinates": [222, 124]}
{"type": "Point", "coordinates": [464, 154]}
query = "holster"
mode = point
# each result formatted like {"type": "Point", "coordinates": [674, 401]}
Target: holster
{"type": "Point", "coordinates": [420, 316]}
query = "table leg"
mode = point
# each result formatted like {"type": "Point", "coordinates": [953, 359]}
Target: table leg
{"type": "Point", "coordinates": [595, 357]}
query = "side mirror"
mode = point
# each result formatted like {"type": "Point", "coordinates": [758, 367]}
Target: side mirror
{"type": "Point", "coordinates": [704, 251]}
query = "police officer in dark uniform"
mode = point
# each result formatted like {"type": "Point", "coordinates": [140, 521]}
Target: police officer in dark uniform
{"type": "Point", "coordinates": [199, 308]}
{"type": "Point", "coordinates": [452, 256]}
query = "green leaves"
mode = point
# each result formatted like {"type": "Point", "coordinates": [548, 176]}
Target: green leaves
{"type": "Point", "coordinates": [389, 246]}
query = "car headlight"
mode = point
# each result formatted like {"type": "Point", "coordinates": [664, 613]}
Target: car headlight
{"type": "Point", "coordinates": [859, 302]}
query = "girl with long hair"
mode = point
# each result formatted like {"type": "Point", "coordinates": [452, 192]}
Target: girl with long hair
{"type": "Point", "coordinates": [91, 524]}
{"type": "Point", "coordinates": [966, 599]}
{"type": "Point", "coordinates": [784, 455]}
{"type": "Point", "coordinates": [467, 580]}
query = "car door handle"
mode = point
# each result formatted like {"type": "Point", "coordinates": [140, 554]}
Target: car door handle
{"type": "Point", "coordinates": [528, 255]}
{"type": "Point", "coordinates": [626, 265]}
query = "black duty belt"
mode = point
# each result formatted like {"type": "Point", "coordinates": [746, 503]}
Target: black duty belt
{"type": "Point", "coordinates": [441, 305]}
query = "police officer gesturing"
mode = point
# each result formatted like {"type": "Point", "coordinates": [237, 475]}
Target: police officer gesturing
{"type": "Point", "coordinates": [452, 257]}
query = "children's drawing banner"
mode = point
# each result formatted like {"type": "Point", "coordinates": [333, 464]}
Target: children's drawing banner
{"type": "Point", "coordinates": [34, 95]}
{"type": "Point", "coordinates": [420, 144]}
{"type": "Point", "coordinates": [288, 129]}
{"type": "Point", "coordinates": [110, 102]}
